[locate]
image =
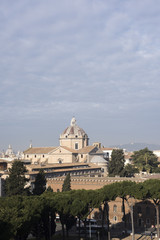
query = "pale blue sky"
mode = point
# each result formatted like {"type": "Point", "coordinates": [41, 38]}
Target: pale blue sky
{"type": "Point", "coordinates": [97, 60]}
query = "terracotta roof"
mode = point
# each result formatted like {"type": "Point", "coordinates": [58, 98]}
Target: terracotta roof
{"type": "Point", "coordinates": [128, 155]}
{"type": "Point", "coordinates": [73, 130]}
{"type": "Point", "coordinates": [55, 165]}
{"type": "Point", "coordinates": [86, 149]}
{"type": "Point", "coordinates": [3, 161]}
{"type": "Point", "coordinates": [8, 160]}
{"type": "Point", "coordinates": [39, 150]}
{"type": "Point", "coordinates": [103, 149]}
{"type": "Point", "coordinates": [69, 149]}
{"type": "Point", "coordinates": [98, 159]}
{"type": "Point", "coordinates": [62, 169]}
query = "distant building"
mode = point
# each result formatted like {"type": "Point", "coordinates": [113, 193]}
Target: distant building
{"type": "Point", "coordinates": [107, 152]}
{"type": "Point", "coordinates": [87, 166]}
{"type": "Point", "coordinates": [128, 157]}
{"type": "Point", "coordinates": [74, 148]}
{"type": "Point", "coordinates": [9, 152]}
{"type": "Point", "coordinates": [157, 153]}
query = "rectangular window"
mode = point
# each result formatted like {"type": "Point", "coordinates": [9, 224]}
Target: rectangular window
{"type": "Point", "coordinates": [76, 145]}
{"type": "Point", "coordinates": [147, 221]}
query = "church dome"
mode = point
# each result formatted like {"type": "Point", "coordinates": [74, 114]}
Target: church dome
{"type": "Point", "coordinates": [73, 136]}
{"type": "Point", "coordinates": [73, 130]}
{"type": "Point", "coordinates": [9, 151]}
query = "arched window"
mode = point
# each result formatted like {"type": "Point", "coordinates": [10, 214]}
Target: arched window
{"type": "Point", "coordinates": [115, 208]}
{"type": "Point", "coordinates": [60, 160]}
{"type": "Point", "coordinates": [115, 219]}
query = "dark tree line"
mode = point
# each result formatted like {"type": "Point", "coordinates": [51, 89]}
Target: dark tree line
{"type": "Point", "coordinates": [23, 212]}
{"type": "Point", "coordinates": [21, 215]}
{"type": "Point", "coordinates": [17, 183]}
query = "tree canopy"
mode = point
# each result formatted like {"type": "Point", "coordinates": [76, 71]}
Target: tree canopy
{"type": "Point", "coordinates": [16, 182]}
{"type": "Point", "coordinates": [21, 215]}
{"type": "Point", "coordinates": [18, 215]}
{"type": "Point", "coordinates": [129, 170]}
{"type": "Point", "coordinates": [127, 190]}
{"type": "Point", "coordinates": [116, 164]}
{"type": "Point", "coordinates": [145, 160]}
{"type": "Point", "coordinates": [67, 184]}
{"type": "Point", "coordinates": [150, 189]}
{"type": "Point", "coordinates": [40, 183]}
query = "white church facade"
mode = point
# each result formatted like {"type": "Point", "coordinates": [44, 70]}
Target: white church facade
{"type": "Point", "coordinates": [74, 148]}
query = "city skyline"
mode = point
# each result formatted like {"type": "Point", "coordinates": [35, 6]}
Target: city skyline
{"type": "Point", "coordinates": [95, 60]}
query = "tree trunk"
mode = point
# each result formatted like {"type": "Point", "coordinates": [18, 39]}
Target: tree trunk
{"type": "Point", "coordinates": [107, 212]}
{"type": "Point", "coordinates": [157, 216]}
{"type": "Point", "coordinates": [85, 228]}
{"type": "Point", "coordinates": [38, 237]}
{"type": "Point", "coordinates": [79, 223]}
{"type": "Point", "coordinates": [63, 231]}
{"type": "Point", "coordinates": [103, 215]}
{"type": "Point", "coordinates": [132, 218]}
{"type": "Point", "coordinates": [67, 233]}
{"type": "Point", "coordinates": [124, 214]}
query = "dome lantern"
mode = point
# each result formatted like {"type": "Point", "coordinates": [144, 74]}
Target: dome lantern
{"type": "Point", "coordinates": [73, 121]}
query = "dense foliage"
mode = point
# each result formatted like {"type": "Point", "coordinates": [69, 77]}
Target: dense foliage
{"type": "Point", "coordinates": [116, 164]}
{"type": "Point", "coordinates": [67, 184]}
{"type": "Point", "coordinates": [145, 160]}
{"type": "Point", "coordinates": [16, 182]}
{"type": "Point", "coordinates": [21, 215]}
{"type": "Point", "coordinates": [142, 160]}
{"type": "Point", "coordinates": [40, 183]}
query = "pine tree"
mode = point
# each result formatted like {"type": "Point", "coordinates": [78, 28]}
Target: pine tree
{"type": "Point", "coordinates": [67, 183]}
{"type": "Point", "coordinates": [40, 183]}
{"type": "Point", "coordinates": [145, 160]}
{"type": "Point", "coordinates": [15, 183]}
{"type": "Point", "coordinates": [116, 164]}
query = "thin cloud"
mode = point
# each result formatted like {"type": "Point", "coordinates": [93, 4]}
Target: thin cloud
{"type": "Point", "coordinates": [86, 57]}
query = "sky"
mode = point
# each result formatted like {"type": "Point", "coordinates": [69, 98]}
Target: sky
{"type": "Point", "coordinates": [97, 60]}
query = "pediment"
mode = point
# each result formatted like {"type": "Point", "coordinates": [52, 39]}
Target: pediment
{"type": "Point", "coordinates": [62, 150]}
